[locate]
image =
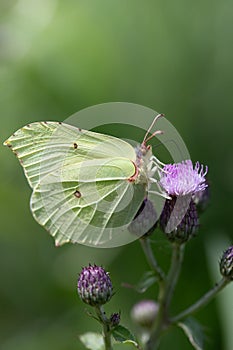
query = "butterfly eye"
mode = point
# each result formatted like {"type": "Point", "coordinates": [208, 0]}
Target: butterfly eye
{"type": "Point", "coordinates": [75, 145]}
{"type": "Point", "coordinates": [77, 194]}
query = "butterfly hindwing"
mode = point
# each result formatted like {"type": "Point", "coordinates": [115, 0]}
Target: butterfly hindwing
{"type": "Point", "coordinates": [85, 212]}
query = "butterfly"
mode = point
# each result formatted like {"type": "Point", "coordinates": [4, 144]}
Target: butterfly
{"type": "Point", "coordinates": [86, 187]}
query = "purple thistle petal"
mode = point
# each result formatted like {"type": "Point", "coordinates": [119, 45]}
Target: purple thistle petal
{"type": "Point", "coordinates": [181, 179]}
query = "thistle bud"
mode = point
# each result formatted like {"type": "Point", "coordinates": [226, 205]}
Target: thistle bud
{"type": "Point", "coordinates": [115, 319]}
{"type": "Point", "coordinates": [145, 220]}
{"type": "Point", "coordinates": [226, 263]}
{"type": "Point", "coordinates": [94, 285]}
{"type": "Point", "coordinates": [144, 313]}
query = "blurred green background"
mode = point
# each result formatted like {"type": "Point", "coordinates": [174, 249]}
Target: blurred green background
{"type": "Point", "coordinates": [57, 57]}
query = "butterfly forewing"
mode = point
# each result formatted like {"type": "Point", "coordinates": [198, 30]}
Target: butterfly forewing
{"type": "Point", "coordinates": [42, 148]}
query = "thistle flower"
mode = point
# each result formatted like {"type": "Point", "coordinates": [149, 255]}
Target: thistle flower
{"type": "Point", "coordinates": [226, 263]}
{"type": "Point", "coordinates": [144, 313]}
{"type": "Point", "coordinates": [182, 179]}
{"type": "Point", "coordinates": [94, 285]}
{"type": "Point", "coordinates": [182, 182]}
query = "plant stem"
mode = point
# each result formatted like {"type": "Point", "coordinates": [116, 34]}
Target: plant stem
{"type": "Point", "coordinates": [154, 338]}
{"type": "Point", "coordinates": [166, 289]}
{"type": "Point", "coordinates": [146, 246]}
{"type": "Point", "coordinates": [205, 299]}
{"type": "Point", "coordinates": [106, 329]}
{"type": "Point", "coordinates": [174, 272]}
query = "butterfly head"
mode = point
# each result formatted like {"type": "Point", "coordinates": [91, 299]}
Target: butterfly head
{"type": "Point", "coordinates": [144, 154]}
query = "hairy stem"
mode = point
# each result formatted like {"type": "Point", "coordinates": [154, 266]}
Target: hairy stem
{"type": "Point", "coordinates": [205, 299]}
{"type": "Point", "coordinates": [106, 329]}
{"type": "Point", "coordinates": [146, 246]}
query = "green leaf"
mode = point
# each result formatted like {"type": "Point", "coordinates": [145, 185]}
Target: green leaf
{"type": "Point", "coordinates": [146, 281]}
{"type": "Point", "coordinates": [92, 341]}
{"type": "Point", "coordinates": [123, 335]}
{"type": "Point", "coordinates": [194, 332]}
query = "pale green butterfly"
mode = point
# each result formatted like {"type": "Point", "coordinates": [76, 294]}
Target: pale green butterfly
{"type": "Point", "coordinates": [87, 187]}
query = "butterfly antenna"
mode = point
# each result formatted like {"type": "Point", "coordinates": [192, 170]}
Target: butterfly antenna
{"type": "Point", "coordinates": [158, 132]}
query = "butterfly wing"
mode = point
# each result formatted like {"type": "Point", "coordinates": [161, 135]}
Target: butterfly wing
{"type": "Point", "coordinates": [93, 210]}
{"type": "Point", "coordinates": [42, 147]}
{"type": "Point", "coordinates": [81, 191]}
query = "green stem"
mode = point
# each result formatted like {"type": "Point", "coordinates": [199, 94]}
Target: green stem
{"type": "Point", "coordinates": [174, 272]}
{"type": "Point", "coordinates": [106, 329]}
{"type": "Point", "coordinates": [166, 289]}
{"type": "Point", "coordinates": [154, 339]}
{"type": "Point", "coordinates": [205, 299]}
{"type": "Point", "coordinates": [146, 246]}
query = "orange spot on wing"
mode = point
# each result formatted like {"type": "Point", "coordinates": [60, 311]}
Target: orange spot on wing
{"type": "Point", "coordinates": [135, 175]}
{"type": "Point", "coordinates": [77, 194]}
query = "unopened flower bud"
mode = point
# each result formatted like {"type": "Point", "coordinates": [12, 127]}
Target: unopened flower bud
{"type": "Point", "coordinates": [94, 285]}
{"type": "Point", "coordinates": [115, 319]}
{"type": "Point", "coordinates": [144, 313]}
{"type": "Point", "coordinates": [145, 220]}
{"type": "Point", "coordinates": [226, 263]}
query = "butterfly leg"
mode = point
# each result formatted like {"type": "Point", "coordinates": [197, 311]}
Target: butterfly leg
{"type": "Point", "coordinates": [157, 161]}
{"type": "Point", "coordinates": [160, 191]}
{"type": "Point", "coordinates": [161, 194]}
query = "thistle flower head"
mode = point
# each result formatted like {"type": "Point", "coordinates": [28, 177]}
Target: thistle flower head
{"type": "Point", "coordinates": [226, 263]}
{"type": "Point", "coordinates": [94, 285]}
{"type": "Point", "coordinates": [144, 313]}
{"type": "Point", "coordinates": [185, 184]}
{"type": "Point", "coordinates": [179, 219]}
{"type": "Point", "coordinates": [183, 178]}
